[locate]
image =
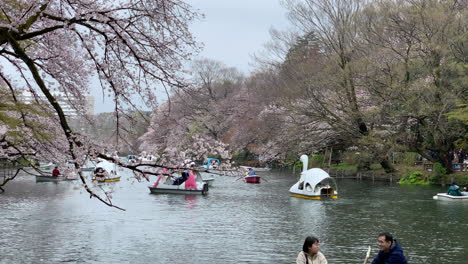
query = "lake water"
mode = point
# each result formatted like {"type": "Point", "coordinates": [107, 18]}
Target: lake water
{"type": "Point", "coordinates": [235, 223]}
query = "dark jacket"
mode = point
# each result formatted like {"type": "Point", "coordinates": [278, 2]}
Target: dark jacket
{"type": "Point", "coordinates": [454, 190]}
{"type": "Point", "coordinates": [394, 256]}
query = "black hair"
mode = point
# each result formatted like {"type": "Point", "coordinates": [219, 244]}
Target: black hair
{"type": "Point", "coordinates": [309, 241]}
{"type": "Point", "coordinates": [387, 235]}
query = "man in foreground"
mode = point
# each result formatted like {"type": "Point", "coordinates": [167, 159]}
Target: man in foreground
{"type": "Point", "coordinates": [390, 251]}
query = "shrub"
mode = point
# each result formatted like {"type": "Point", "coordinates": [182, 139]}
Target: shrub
{"type": "Point", "coordinates": [416, 177]}
{"type": "Point", "coordinates": [438, 172]}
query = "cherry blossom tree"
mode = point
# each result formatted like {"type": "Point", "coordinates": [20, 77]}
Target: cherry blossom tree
{"type": "Point", "coordinates": [195, 121]}
{"type": "Point", "coordinates": [134, 49]}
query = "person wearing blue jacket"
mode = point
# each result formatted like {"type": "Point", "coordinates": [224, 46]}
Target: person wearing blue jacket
{"type": "Point", "coordinates": [454, 190]}
{"type": "Point", "coordinates": [390, 251]}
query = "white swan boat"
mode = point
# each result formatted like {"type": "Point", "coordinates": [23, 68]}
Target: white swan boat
{"type": "Point", "coordinates": [448, 197]}
{"type": "Point", "coordinates": [314, 184]}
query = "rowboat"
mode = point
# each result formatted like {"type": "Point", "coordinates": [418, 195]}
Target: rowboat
{"type": "Point", "coordinates": [314, 184]}
{"type": "Point", "coordinates": [252, 179]}
{"type": "Point", "coordinates": [448, 197]}
{"type": "Point", "coordinates": [50, 178]}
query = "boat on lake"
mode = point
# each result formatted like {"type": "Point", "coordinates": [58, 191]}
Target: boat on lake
{"type": "Point", "coordinates": [251, 176]}
{"type": "Point", "coordinates": [211, 163]}
{"type": "Point", "coordinates": [46, 166]}
{"type": "Point", "coordinates": [89, 165]}
{"type": "Point", "coordinates": [314, 184]}
{"type": "Point", "coordinates": [186, 182]}
{"type": "Point", "coordinates": [105, 171]}
{"type": "Point", "coordinates": [50, 178]}
{"type": "Point", "coordinates": [252, 179]}
{"type": "Point", "coordinates": [448, 197]}
{"type": "Point", "coordinates": [209, 181]}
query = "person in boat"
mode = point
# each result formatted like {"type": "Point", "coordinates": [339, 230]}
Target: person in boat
{"type": "Point", "coordinates": [55, 172]}
{"type": "Point", "coordinates": [251, 172]}
{"type": "Point", "coordinates": [454, 190]}
{"type": "Point", "coordinates": [311, 252]}
{"type": "Point", "coordinates": [390, 250]}
{"type": "Point", "coordinates": [99, 174]}
{"type": "Point", "coordinates": [182, 178]}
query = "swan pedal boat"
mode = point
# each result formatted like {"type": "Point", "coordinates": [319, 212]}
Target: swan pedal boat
{"type": "Point", "coordinates": [116, 179]}
{"type": "Point", "coordinates": [314, 184]}
{"type": "Point", "coordinates": [448, 197]}
{"type": "Point", "coordinates": [105, 171]}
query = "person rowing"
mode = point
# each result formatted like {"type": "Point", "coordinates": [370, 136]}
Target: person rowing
{"type": "Point", "coordinates": [56, 172]}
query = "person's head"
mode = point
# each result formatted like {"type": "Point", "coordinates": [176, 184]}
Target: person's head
{"type": "Point", "coordinates": [311, 245]}
{"type": "Point", "coordinates": [454, 183]}
{"type": "Point", "coordinates": [250, 169]}
{"type": "Point", "coordinates": [56, 167]}
{"type": "Point", "coordinates": [385, 241]}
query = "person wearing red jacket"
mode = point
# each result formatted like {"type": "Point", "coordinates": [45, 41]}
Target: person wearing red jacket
{"type": "Point", "coordinates": [55, 172]}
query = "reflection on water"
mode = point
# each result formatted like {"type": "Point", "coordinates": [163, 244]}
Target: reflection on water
{"type": "Point", "coordinates": [235, 223]}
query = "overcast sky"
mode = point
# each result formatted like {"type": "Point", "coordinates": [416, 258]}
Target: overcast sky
{"type": "Point", "coordinates": [233, 30]}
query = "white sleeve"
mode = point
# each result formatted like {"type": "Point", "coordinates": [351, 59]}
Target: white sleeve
{"type": "Point", "coordinates": [301, 258]}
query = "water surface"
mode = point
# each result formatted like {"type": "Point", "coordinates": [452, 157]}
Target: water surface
{"type": "Point", "coordinates": [235, 223]}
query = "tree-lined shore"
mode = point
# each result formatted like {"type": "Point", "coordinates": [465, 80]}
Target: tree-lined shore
{"type": "Point", "coordinates": [368, 77]}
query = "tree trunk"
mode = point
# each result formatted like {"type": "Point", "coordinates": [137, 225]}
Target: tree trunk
{"type": "Point", "coordinates": [446, 161]}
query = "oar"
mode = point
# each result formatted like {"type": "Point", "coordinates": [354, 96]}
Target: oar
{"type": "Point", "coordinates": [242, 177]}
{"type": "Point", "coordinates": [367, 255]}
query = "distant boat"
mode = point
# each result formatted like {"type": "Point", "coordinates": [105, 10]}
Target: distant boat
{"type": "Point", "coordinates": [448, 197]}
{"type": "Point", "coordinates": [211, 163]}
{"type": "Point", "coordinates": [252, 179]}
{"type": "Point", "coordinates": [167, 185]}
{"type": "Point", "coordinates": [105, 171]}
{"type": "Point", "coordinates": [209, 181]}
{"type": "Point", "coordinates": [89, 165]}
{"type": "Point", "coordinates": [46, 166]}
{"type": "Point", "coordinates": [115, 179]}
{"type": "Point", "coordinates": [50, 178]}
{"type": "Point", "coordinates": [314, 184]}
